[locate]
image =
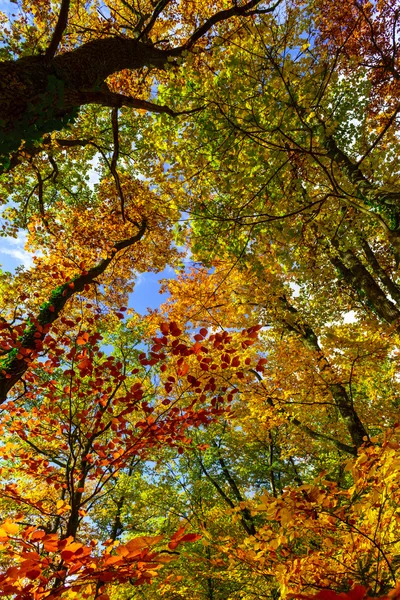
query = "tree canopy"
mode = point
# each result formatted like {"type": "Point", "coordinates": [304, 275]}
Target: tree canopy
{"type": "Point", "coordinates": [242, 441]}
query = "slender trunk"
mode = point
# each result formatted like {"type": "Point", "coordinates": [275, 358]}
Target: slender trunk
{"type": "Point", "coordinates": [14, 364]}
{"type": "Point", "coordinates": [293, 322]}
{"type": "Point", "coordinates": [210, 586]}
{"type": "Point", "coordinates": [236, 492]}
{"type": "Point", "coordinates": [271, 462]}
{"type": "Point", "coordinates": [248, 527]}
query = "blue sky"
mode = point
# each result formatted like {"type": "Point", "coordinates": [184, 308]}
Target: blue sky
{"type": "Point", "coordinates": [147, 290]}
{"type": "Point", "coordinates": [145, 295]}
{"type": "Point", "coordinates": [147, 287]}
{"type": "Point", "coordinates": [8, 7]}
{"type": "Point", "coordinates": [13, 254]}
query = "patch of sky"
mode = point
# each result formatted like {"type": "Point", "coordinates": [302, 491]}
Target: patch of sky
{"type": "Point", "coordinates": [8, 7]}
{"type": "Point", "coordinates": [146, 294]}
{"type": "Point", "coordinates": [13, 253]}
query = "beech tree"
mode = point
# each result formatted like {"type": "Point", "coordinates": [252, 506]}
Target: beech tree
{"type": "Point", "coordinates": [42, 88]}
{"type": "Point", "coordinates": [240, 442]}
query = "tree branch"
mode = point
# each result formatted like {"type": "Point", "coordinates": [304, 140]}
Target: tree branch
{"type": "Point", "coordinates": [391, 287]}
{"type": "Point", "coordinates": [114, 160]}
{"type": "Point", "coordinates": [114, 100]}
{"type": "Point", "coordinates": [236, 492]}
{"type": "Point", "coordinates": [358, 276]}
{"type": "Point", "coordinates": [225, 497]}
{"type": "Point", "coordinates": [309, 339]}
{"type": "Point", "coordinates": [223, 15]}
{"type": "Point", "coordinates": [13, 368]}
{"type": "Point", "coordinates": [315, 435]}
{"type": "Point", "coordinates": [58, 31]}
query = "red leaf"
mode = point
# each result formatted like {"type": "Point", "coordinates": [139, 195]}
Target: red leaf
{"type": "Point", "coordinates": [164, 328]}
{"type": "Point", "coordinates": [190, 537]}
{"type": "Point", "coordinates": [174, 329]}
{"type": "Point", "coordinates": [357, 593]}
{"type": "Point", "coordinates": [33, 573]}
{"type": "Point", "coordinates": [183, 369]}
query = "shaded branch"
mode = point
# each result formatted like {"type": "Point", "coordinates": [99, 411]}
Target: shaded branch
{"type": "Point", "coordinates": [249, 529]}
{"type": "Point", "coordinates": [59, 30]}
{"type": "Point", "coordinates": [359, 278]}
{"type": "Point", "coordinates": [114, 100]}
{"type": "Point", "coordinates": [315, 435]}
{"type": "Point", "coordinates": [114, 160]}
{"type": "Point", "coordinates": [12, 368]}
{"type": "Point", "coordinates": [156, 13]}
{"type": "Point", "coordinates": [294, 323]}
{"type": "Point", "coordinates": [233, 485]}
{"type": "Point", "coordinates": [223, 15]}
{"type": "Point", "coordinates": [391, 287]}
{"type": "Point", "coordinates": [366, 188]}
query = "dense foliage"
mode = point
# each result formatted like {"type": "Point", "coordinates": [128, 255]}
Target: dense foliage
{"type": "Point", "coordinates": [242, 441]}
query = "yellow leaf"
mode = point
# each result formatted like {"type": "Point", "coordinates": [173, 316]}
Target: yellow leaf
{"type": "Point", "coordinates": [10, 528]}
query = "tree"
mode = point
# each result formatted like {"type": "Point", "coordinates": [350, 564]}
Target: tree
{"type": "Point", "coordinates": [241, 442]}
{"type": "Point", "coordinates": [42, 91]}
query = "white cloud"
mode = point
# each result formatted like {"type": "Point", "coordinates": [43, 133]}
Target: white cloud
{"type": "Point", "coordinates": [15, 248]}
{"type": "Point", "coordinates": [139, 279]}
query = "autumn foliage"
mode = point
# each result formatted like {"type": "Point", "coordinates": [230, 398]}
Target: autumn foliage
{"type": "Point", "coordinates": [242, 440]}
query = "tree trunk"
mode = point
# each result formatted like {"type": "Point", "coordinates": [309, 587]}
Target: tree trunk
{"type": "Point", "coordinates": [36, 94]}
{"type": "Point", "coordinates": [294, 323]}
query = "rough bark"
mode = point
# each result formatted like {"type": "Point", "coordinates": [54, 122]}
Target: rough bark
{"type": "Point", "coordinates": [390, 285]}
{"type": "Point", "coordinates": [371, 193]}
{"type": "Point", "coordinates": [36, 93]}
{"type": "Point", "coordinates": [359, 278]}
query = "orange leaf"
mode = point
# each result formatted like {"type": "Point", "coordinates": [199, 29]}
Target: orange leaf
{"type": "Point", "coordinates": [37, 535]}
{"type": "Point", "coordinates": [183, 369]}
{"type": "Point", "coordinates": [83, 338]}
{"type": "Point", "coordinates": [9, 527]}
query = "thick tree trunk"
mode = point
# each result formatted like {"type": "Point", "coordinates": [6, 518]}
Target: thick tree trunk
{"type": "Point", "coordinates": [360, 279]}
{"type": "Point", "coordinates": [35, 92]}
